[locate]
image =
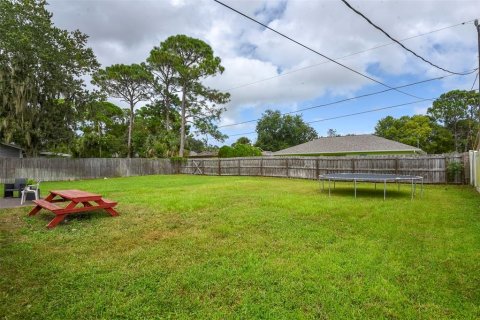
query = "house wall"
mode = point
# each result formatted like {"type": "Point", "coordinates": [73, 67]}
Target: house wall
{"type": "Point", "coordinates": [9, 152]}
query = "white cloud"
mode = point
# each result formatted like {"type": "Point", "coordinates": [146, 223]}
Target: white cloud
{"type": "Point", "coordinates": [125, 32]}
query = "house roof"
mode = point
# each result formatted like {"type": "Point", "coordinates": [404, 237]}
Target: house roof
{"type": "Point", "coordinates": [11, 145]}
{"type": "Point", "coordinates": [348, 144]}
{"type": "Point", "coordinates": [204, 154]}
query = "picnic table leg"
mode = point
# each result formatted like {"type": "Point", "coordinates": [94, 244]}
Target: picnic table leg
{"type": "Point", "coordinates": [112, 212]}
{"type": "Point", "coordinates": [35, 210]}
{"type": "Point", "coordinates": [58, 218]}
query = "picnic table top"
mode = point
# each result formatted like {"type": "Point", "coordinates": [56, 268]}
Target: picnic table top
{"type": "Point", "coordinates": [75, 194]}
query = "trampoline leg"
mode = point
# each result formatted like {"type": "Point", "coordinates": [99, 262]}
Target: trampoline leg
{"type": "Point", "coordinates": [398, 186]}
{"type": "Point", "coordinates": [323, 185]}
{"type": "Point", "coordinates": [355, 187]}
{"type": "Point", "coordinates": [415, 189]}
{"type": "Point", "coordinates": [412, 190]}
{"type": "Point", "coordinates": [421, 192]}
{"type": "Point", "coordinates": [329, 187]}
{"type": "Point", "coordinates": [384, 189]}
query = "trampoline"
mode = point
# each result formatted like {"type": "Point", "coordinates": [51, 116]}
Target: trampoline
{"type": "Point", "coordinates": [372, 177]}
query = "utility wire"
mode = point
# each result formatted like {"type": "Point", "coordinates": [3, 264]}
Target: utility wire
{"type": "Point", "coordinates": [348, 99]}
{"type": "Point", "coordinates": [398, 42]}
{"type": "Point", "coordinates": [315, 51]}
{"type": "Point", "coordinates": [361, 112]}
{"type": "Point", "coordinates": [343, 57]}
{"type": "Point", "coordinates": [348, 115]}
{"type": "Point", "coordinates": [474, 81]}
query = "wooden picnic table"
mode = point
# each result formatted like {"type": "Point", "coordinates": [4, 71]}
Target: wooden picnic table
{"type": "Point", "coordinates": [90, 202]}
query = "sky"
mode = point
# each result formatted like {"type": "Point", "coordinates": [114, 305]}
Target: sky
{"type": "Point", "coordinates": [266, 71]}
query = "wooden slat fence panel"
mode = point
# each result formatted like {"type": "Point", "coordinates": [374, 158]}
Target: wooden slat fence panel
{"type": "Point", "coordinates": [57, 169]}
{"type": "Point", "coordinates": [432, 167]}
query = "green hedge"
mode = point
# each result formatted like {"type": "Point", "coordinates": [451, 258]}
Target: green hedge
{"type": "Point", "coordinates": [239, 150]}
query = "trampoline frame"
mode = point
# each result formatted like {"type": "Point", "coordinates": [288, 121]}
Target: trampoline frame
{"type": "Point", "coordinates": [372, 177]}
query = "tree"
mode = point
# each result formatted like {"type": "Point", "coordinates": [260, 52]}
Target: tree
{"type": "Point", "coordinates": [41, 69]}
{"type": "Point", "coordinates": [103, 131]}
{"type": "Point", "coordinates": [192, 61]}
{"type": "Point", "coordinates": [458, 111]}
{"type": "Point", "coordinates": [332, 133]}
{"type": "Point", "coordinates": [161, 63]}
{"type": "Point", "coordinates": [418, 130]}
{"type": "Point", "coordinates": [151, 138]}
{"type": "Point", "coordinates": [130, 83]}
{"type": "Point", "coordinates": [277, 132]}
{"type": "Point", "coordinates": [242, 140]}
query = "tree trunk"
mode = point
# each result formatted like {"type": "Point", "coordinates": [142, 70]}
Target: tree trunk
{"type": "Point", "coordinates": [130, 126]}
{"type": "Point", "coordinates": [167, 119]}
{"type": "Point", "coordinates": [167, 114]}
{"type": "Point", "coordinates": [182, 128]}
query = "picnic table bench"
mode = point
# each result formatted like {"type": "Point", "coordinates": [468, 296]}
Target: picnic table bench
{"type": "Point", "coordinates": [90, 202]}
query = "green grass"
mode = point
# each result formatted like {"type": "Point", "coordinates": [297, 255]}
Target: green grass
{"type": "Point", "coordinates": [245, 247]}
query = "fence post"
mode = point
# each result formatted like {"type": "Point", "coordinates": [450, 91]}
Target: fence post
{"type": "Point", "coordinates": [239, 171]}
{"type": "Point", "coordinates": [219, 167]}
{"type": "Point", "coordinates": [288, 170]}
{"type": "Point", "coordinates": [353, 165]}
{"type": "Point", "coordinates": [261, 167]}
{"type": "Point", "coordinates": [317, 169]}
{"type": "Point", "coordinates": [446, 171]}
{"type": "Point", "coordinates": [466, 167]}
{"type": "Point", "coordinates": [396, 165]}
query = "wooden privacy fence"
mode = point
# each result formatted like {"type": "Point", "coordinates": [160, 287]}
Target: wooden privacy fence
{"type": "Point", "coordinates": [432, 167]}
{"type": "Point", "coordinates": [56, 169]}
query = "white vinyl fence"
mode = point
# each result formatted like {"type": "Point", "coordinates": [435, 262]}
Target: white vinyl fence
{"type": "Point", "coordinates": [474, 157]}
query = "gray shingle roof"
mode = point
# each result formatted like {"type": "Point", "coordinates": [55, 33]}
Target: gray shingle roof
{"type": "Point", "coordinates": [348, 144]}
{"type": "Point", "coordinates": [11, 145]}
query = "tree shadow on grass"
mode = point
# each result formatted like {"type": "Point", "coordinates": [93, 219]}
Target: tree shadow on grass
{"type": "Point", "coordinates": [76, 217]}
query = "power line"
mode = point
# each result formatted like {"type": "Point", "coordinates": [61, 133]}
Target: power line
{"type": "Point", "coordinates": [344, 57]}
{"type": "Point", "coordinates": [398, 42]}
{"type": "Point", "coordinates": [361, 112]}
{"type": "Point", "coordinates": [315, 51]}
{"type": "Point", "coordinates": [349, 114]}
{"type": "Point", "coordinates": [474, 81]}
{"type": "Point", "coordinates": [347, 99]}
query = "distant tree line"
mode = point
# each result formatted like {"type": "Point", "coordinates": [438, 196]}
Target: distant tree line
{"type": "Point", "coordinates": [451, 124]}
{"type": "Point", "coordinates": [44, 104]}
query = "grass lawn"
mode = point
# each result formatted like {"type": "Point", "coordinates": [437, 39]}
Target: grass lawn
{"type": "Point", "coordinates": [245, 247]}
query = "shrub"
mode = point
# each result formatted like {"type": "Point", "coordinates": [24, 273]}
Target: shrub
{"type": "Point", "coordinates": [239, 150]}
{"type": "Point", "coordinates": [453, 169]}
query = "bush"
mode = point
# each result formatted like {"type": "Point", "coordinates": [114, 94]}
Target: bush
{"type": "Point", "coordinates": [225, 152]}
{"type": "Point", "coordinates": [239, 150]}
{"type": "Point", "coordinates": [453, 169]}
